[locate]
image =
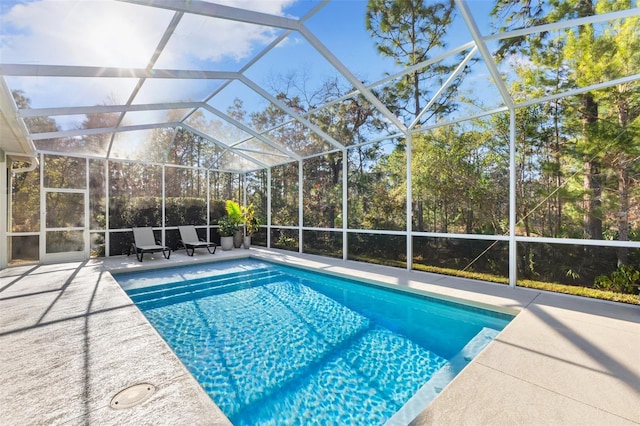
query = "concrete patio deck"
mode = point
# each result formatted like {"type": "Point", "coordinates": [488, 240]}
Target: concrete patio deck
{"type": "Point", "coordinates": [70, 339]}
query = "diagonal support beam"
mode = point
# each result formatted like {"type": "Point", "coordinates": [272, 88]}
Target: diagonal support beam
{"type": "Point", "coordinates": [221, 145]}
{"type": "Point", "coordinates": [252, 132]}
{"type": "Point", "coordinates": [485, 53]}
{"type": "Point", "coordinates": [444, 86]}
{"type": "Point", "coordinates": [291, 112]}
{"type": "Point", "coordinates": [156, 54]}
{"type": "Point", "coordinates": [333, 60]}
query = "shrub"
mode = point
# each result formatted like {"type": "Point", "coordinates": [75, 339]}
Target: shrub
{"type": "Point", "coordinates": [625, 279]}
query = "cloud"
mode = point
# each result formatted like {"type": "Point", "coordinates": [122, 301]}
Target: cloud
{"type": "Point", "coordinates": [109, 33]}
{"type": "Point", "coordinates": [204, 41]}
{"type": "Point", "coordinates": [95, 33]}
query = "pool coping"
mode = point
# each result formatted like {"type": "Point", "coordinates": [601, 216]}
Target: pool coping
{"type": "Point", "coordinates": [562, 360]}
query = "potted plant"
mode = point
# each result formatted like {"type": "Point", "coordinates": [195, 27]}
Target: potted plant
{"type": "Point", "coordinates": [251, 224]}
{"type": "Point", "coordinates": [234, 212]}
{"type": "Point", "coordinates": [228, 228]}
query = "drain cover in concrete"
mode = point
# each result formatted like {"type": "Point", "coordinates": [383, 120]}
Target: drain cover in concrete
{"type": "Point", "coordinates": [132, 395]}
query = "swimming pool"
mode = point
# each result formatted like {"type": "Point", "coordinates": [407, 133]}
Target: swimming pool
{"type": "Point", "coordinates": [273, 344]}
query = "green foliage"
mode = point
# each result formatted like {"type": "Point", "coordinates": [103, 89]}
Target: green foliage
{"type": "Point", "coordinates": [586, 146]}
{"type": "Point", "coordinates": [25, 201]}
{"type": "Point", "coordinates": [323, 243]}
{"type": "Point", "coordinates": [385, 248]}
{"type": "Point", "coordinates": [581, 291]}
{"type": "Point", "coordinates": [64, 172]}
{"type": "Point", "coordinates": [284, 195]}
{"type": "Point", "coordinates": [256, 193]}
{"type": "Point", "coordinates": [185, 211]}
{"type": "Point", "coordinates": [460, 173]}
{"type": "Point", "coordinates": [228, 226]}
{"type": "Point", "coordinates": [286, 239]}
{"type": "Point", "coordinates": [538, 285]}
{"type": "Point", "coordinates": [180, 146]}
{"type": "Point", "coordinates": [251, 221]}
{"type": "Point", "coordinates": [457, 175]}
{"type": "Point", "coordinates": [217, 210]}
{"type": "Point", "coordinates": [625, 279]}
{"type": "Point", "coordinates": [377, 196]}
{"type": "Point", "coordinates": [126, 212]}
{"type": "Point", "coordinates": [234, 212]}
{"type": "Point", "coordinates": [323, 191]}
{"type": "Point", "coordinates": [409, 32]}
{"type": "Point", "coordinates": [230, 223]}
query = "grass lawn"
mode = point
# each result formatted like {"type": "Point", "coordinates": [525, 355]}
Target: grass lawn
{"type": "Point", "coordinates": [538, 285]}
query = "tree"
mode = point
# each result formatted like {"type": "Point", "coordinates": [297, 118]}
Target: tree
{"type": "Point", "coordinates": [597, 128]}
{"type": "Point", "coordinates": [409, 31]}
{"type": "Point", "coordinates": [617, 49]}
{"type": "Point", "coordinates": [284, 195]}
{"type": "Point", "coordinates": [348, 122]}
{"type": "Point", "coordinates": [25, 187]}
{"type": "Point", "coordinates": [386, 208]}
{"type": "Point", "coordinates": [99, 143]}
{"type": "Point", "coordinates": [524, 13]}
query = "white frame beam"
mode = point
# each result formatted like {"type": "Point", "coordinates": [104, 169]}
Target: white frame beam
{"type": "Point", "coordinates": [256, 88]}
{"type": "Point", "coordinates": [252, 132]}
{"type": "Point", "coordinates": [28, 70]}
{"type": "Point", "coordinates": [333, 60]}
{"type": "Point", "coordinates": [484, 52]}
{"type": "Point", "coordinates": [214, 10]}
{"type": "Point", "coordinates": [444, 86]}
{"type": "Point", "coordinates": [105, 109]}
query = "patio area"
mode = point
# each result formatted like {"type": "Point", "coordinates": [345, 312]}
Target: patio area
{"type": "Point", "coordinates": [70, 340]}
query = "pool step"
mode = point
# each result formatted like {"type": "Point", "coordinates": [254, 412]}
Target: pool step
{"type": "Point", "coordinates": [146, 293]}
{"type": "Point", "coordinates": [186, 291]}
{"type": "Point", "coordinates": [193, 281]}
{"type": "Point", "coordinates": [199, 294]}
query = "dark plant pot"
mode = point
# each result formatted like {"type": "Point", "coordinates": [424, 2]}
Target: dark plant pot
{"type": "Point", "coordinates": [237, 239]}
{"type": "Point", "coordinates": [226, 243]}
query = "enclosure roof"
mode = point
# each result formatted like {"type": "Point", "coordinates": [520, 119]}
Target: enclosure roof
{"type": "Point", "coordinates": [252, 83]}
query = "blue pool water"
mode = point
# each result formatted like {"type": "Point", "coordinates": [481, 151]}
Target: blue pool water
{"type": "Point", "coordinates": [272, 344]}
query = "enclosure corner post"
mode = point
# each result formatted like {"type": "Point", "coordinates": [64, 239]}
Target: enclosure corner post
{"type": "Point", "coordinates": [345, 203]}
{"type": "Point", "coordinates": [409, 205]}
{"type": "Point", "coordinates": [269, 207]}
{"type": "Point", "coordinates": [513, 246]}
{"type": "Point", "coordinates": [300, 205]}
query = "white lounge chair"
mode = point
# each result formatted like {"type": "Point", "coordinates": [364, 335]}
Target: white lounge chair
{"type": "Point", "coordinates": [190, 241]}
{"type": "Point", "coordinates": [144, 242]}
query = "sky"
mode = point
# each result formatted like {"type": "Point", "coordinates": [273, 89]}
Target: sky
{"type": "Point", "coordinates": [107, 33]}
{"type": "Point", "coordinates": [116, 34]}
